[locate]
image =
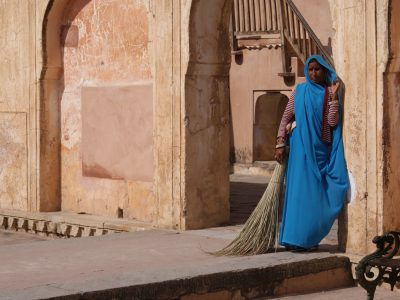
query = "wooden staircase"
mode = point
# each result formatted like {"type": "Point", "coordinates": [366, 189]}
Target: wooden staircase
{"type": "Point", "coordinates": [298, 35]}
{"type": "Point", "coordinates": [275, 23]}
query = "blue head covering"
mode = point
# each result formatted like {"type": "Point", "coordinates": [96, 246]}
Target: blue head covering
{"type": "Point", "coordinates": [330, 72]}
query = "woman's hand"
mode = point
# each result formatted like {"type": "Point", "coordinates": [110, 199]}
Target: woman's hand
{"type": "Point", "coordinates": [280, 154]}
{"type": "Point", "coordinates": [335, 88]}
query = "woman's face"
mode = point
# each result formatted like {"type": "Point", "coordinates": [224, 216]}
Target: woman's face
{"type": "Point", "coordinates": [316, 72]}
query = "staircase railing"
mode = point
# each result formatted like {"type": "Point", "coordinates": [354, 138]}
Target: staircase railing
{"type": "Point", "coordinates": [254, 18]}
{"type": "Point", "coordinates": [299, 34]}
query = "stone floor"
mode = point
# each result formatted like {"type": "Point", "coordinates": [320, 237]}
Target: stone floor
{"type": "Point", "coordinates": [245, 192]}
{"type": "Point", "coordinates": [8, 237]}
{"type": "Point", "coordinates": [35, 267]}
{"type": "Point", "coordinates": [121, 263]}
{"type": "Point", "coordinates": [353, 293]}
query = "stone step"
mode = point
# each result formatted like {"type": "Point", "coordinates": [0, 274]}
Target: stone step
{"type": "Point", "coordinates": [160, 265]}
{"type": "Point", "coordinates": [64, 224]}
{"type": "Point", "coordinates": [261, 168]}
{"type": "Point", "coordinates": [304, 277]}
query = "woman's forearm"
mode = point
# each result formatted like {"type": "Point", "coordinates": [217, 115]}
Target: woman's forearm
{"type": "Point", "coordinates": [333, 113]}
{"type": "Point", "coordinates": [287, 117]}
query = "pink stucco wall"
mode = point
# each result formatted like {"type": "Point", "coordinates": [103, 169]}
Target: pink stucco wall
{"type": "Point", "coordinates": [105, 51]}
{"type": "Point", "coordinates": [250, 79]}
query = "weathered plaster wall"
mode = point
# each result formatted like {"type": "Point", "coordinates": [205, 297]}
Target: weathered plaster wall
{"type": "Point", "coordinates": [105, 51]}
{"type": "Point", "coordinates": [253, 73]}
{"type": "Point", "coordinates": [32, 73]}
{"type": "Point", "coordinates": [170, 52]}
{"type": "Point", "coordinates": [17, 88]}
{"type": "Point", "coordinates": [360, 54]}
{"type": "Point", "coordinates": [13, 160]}
{"type": "Point", "coordinates": [168, 22]}
{"type": "Point", "coordinates": [391, 117]}
{"type": "Point", "coordinates": [191, 112]}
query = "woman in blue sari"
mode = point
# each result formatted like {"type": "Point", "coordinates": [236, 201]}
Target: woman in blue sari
{"type": "Point", "coordinates": [316, 176]}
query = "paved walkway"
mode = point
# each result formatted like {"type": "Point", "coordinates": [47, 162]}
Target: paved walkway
{"type": "Point", "coordinates": [38, 268]}
{"type": "Point", "coordinates": [60, 267]}
{"type": "Point", "coordinates": [34, 267]}
{"type": "Point", "coordinates": [8, 237]}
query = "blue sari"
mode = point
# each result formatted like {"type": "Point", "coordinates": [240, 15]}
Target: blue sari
{"type": "Point", "coordinates": [316, 176]}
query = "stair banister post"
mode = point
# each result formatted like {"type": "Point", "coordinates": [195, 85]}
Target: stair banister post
{"type": "Point", "coordinates": [282, 25]}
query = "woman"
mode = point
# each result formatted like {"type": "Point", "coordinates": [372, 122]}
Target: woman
{"type": "Point", "coordinates": [316, 177]}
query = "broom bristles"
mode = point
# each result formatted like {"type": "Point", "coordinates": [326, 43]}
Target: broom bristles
{"type": "Point", "coordinates": [260, 233]}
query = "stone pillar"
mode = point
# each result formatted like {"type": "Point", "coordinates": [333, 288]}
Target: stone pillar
{"type": "Point", "coordinates": [206, 115]}
{"type": "Point", "coordinates": [48, 105]}
{"type": "Point", "coordinates": [360, 54]}
{"type": "Point", "coordinates": [391, 117]}
{"type": "Point", "coordinates": [168, 136]}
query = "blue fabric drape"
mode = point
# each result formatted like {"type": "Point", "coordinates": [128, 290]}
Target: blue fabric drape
{"type": "Point", "coordinates": [316, 177]}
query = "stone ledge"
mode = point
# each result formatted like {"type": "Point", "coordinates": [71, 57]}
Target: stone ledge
{"type": "Point", "coordinates": [286, 279]}
{"type": "Point", "coordinates": [262, 168]}
{"type": "Point", "coordinates": [61, 224]}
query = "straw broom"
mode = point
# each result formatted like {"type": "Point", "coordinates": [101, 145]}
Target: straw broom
{"type": "Point", "coordinates": [261, 231]}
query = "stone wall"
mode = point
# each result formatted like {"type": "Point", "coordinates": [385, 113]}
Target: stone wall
{"type": "Point", "coordinates": [17, 77]}
{"type": "Point", "coordinates": [391, 118]}
{"type": "Point", "coordinates": [253, 74]}
{"type": "Point", "coordinates": [63, 49]}
{"type": "Point", "coordinates": [47, 63]}
{"type": "Point", "coordinates": [206, 115]}
{"type": "Point", "coordinates": [106, 119]}
{"type": "Point", "coordinates": [360, 52]}
{"type": "Point", "coordinates": [97, 154]}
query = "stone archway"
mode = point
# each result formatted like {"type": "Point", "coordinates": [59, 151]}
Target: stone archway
{"type": "Point", "coordinates": [96, 118]}
{"type": "Point", "coordinates": [206, 115]}
{"type": "Point", "coordinates": [49, 189]}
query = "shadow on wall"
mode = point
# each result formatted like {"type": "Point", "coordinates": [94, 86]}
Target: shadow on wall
{"type": "Point", "coordinates": [268, 113]}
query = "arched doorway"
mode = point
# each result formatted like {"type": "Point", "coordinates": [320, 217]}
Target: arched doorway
{"type": "Point", "coordinates": [97, 109]}
{"type": "Point", "coordinates": [209, 60]}
{"type": "Point", "coordinates": [267, 115]}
